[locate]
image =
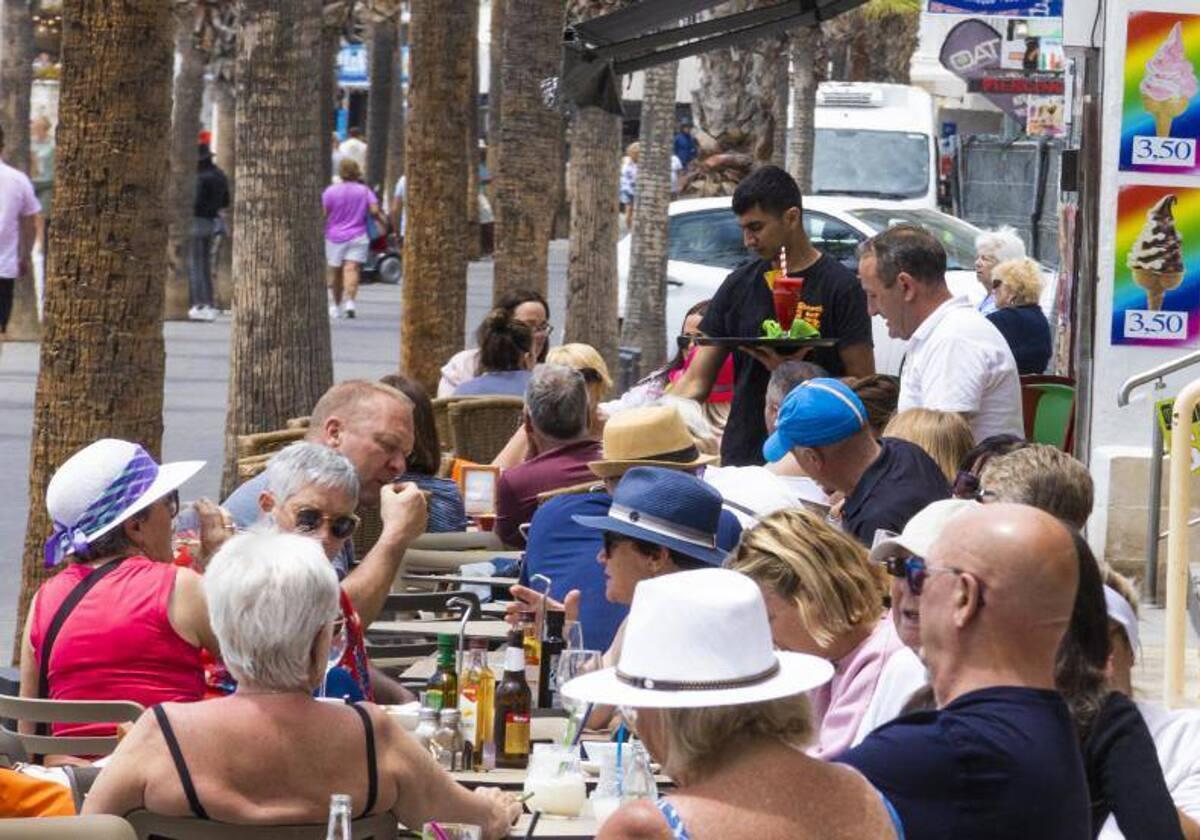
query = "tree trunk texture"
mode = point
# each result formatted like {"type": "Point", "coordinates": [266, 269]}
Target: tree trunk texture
{"type": "Point", "coordinates": [783, 95]}
{"type": "Point", "coordinates": [16, 80]}
{"type": "Point", "coordinates": [592, 265]}
{"type": "Point", "coordinates": [102, 354]}
{"type": "Point", "coordinates": [226, 159]}
{"type": "Point", "coordinates": [280, 359]}
{"type": "Point", "coordinates": [526, 175]}
{"type": "Point", "coordinates": [806, 75]}
{"type": "Point", "coordinates": [331, 42]}
{"type": "Point", "coordinates": [181, 187]}
{"type": "Point", "coordinates": [474, 233]}
{"type": "Point", "coordinates": [379, 101]}
{"type": "Point", "coordinates": [435, 249]}
{"type": "Point", "coordinates": [395, 153]}
{"type": "Point", "coordinates": [495, 93]}
{"type": "Point", "coordinates": [891, 39]}
{"type": "Point", "coordinates": [646, 299]}
{"type": "Point", "coordinates": [735, 102]}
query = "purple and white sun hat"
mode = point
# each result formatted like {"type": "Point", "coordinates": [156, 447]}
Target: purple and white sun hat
{"type": "Point", "coordinates": [101, 486]}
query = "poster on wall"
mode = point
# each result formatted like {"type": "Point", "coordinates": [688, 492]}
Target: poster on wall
{"type": "Point", "coordinates": [1156, 292]}
{"type": "Point", "coordinates": [1005, 8]}
{"type": "Point", "coordinates": [1160, 120]}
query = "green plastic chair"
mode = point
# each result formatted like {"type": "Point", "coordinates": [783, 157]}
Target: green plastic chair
{"type": "Point", "coordinates": [1049, 406]}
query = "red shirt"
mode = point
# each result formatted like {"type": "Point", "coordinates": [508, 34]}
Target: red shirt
{"type": "Point", "coordinates": [518, 487]}
{"type": "Point", "coordinates": [117, 644]}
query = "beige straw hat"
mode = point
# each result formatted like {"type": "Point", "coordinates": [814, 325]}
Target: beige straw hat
{"type": "Point", "coordinates": [654, 436]}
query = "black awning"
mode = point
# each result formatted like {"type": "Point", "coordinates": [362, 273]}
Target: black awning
{"type": "Point", "coordinates": [652, 32]}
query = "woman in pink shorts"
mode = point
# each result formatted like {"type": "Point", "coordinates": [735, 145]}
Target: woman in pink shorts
{"type": "Point", "coordinates": [348, 206]}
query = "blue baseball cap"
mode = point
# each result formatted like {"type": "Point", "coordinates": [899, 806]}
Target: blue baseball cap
{"type": "Point", "coordinates": [817, 412]}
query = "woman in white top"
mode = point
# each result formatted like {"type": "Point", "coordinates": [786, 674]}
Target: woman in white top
{"type": "Point", "coordinates": [525, 305]}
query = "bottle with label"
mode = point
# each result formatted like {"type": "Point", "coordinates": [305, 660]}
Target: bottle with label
{"type": "Point", "coordinates": [513, 705]}
{"type": "Point", "coordinates": [476, 698]}
{"type": "Point", "coordinates": [552, 648]}
{"type": "Point", "coordinates": [448, 741]}
{"type": "Point", "coordinates": [339, 818]}
{"type": "Point", "coordinates": [442, 689]}
{"type": "Point", "coordinates": [533, 650]}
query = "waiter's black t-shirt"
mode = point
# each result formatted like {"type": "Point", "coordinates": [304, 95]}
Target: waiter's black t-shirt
{"type": "Point", "coordinates": [832, 301]}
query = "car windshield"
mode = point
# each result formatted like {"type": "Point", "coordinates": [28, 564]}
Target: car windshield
{"type": "Point", "coordinates": [956, 236]}
{"type": "Point", "coordinates": [878, 164]}
{"type": "Point", "coordinates": [707, 237]}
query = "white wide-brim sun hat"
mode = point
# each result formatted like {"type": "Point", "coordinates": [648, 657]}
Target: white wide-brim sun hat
{"type": "Point", "coordinates": [696, 639]}
{"type": "Point", "coordinates": [88, 474]}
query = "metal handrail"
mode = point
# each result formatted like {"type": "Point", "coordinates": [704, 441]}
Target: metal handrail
{"type": "Point", "coordinates": [1139, 379]}
{"type": "Point", "coordinates": [1178, 508]}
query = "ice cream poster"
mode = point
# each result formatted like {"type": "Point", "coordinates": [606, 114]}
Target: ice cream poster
{"type": "Point", "coordinates": [1160, 121]}
{"type": "Point", "coordinates": [1156, 293]}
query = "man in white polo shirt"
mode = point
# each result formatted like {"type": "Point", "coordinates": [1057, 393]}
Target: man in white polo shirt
{"type": "Point", "coordinates": [956, 360]}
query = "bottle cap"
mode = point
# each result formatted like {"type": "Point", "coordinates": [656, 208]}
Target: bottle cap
{"type": "Point", "coordinates": [449, 716]}
{"type": "Point", "coordinates": [428, 713]}
{"type": "Point", "coordinates": [554, 622]}
{"type": "Point", "coordinates": [447, 640]}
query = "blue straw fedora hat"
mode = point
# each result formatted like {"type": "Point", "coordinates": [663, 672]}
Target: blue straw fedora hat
{"type": "Point", "coordinates": [668, 508]}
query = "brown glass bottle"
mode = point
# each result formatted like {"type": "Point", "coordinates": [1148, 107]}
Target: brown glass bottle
{"type": "Point", "coordinates": [513, 703]}
{"type": "Point", "coordinates": [441, 692]}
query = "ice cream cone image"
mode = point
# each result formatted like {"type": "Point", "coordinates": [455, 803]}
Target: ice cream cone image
{"type": "Point", "coordinates": [1156, 258]}
{"type": "Point", "coordinates": [1156, 284]}
{"type": "Point", "coordinates": [1169, 84]}
{"type": "Point", "coordinates": [1164, 112]}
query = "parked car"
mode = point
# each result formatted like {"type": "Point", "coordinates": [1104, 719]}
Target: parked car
{"type": "Point", "coordinates": [705, 244]}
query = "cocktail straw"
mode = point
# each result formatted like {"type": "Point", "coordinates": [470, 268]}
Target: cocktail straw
{"type": "Point", "coordinates": [582, 724]}
{"type": "Point", "coordinates": [537, 815]}
{"type": "Point", "coordinates": [783, 261]}
{"type": "Point", "coordinates": [437, 830]}
{"type": "Point", "coordinates": [620, 764]}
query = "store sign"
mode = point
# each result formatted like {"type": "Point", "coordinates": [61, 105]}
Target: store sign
{"type": "Point", "coordinates": [972, 51]}
{"type": "Point", "coordinates": [1165, 409]}
{"type": "Point", "coordinates": [1007, 8]}
{"type": "Point", "coordinates": [352, 66]}
{"type": "Point", "coordinates": [1018, 83]}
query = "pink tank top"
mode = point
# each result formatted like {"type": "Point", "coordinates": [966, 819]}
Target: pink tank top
{"type": "Point", "coordinates": [118, 643]}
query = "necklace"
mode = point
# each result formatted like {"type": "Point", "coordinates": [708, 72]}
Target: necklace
{"type": "Point", "coordinates": [261, 692]}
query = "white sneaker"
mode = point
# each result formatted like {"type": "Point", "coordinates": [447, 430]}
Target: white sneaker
{"type": "Point", "coordinates": [196, 313]}
{"type": "Point", "coordinates": [334, 311]}
{"type": "Point", "coordinates": [208, 313]}
{"type": "Point", "coordinates": [349, 308]}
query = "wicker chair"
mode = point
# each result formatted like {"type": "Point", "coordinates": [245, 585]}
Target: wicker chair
{"type": "Point", "coordinates": [441, 419]}
{"type": "Point", "coordinates": [481, 426]}
{"type": "Point", "coordinates": [253, 451]}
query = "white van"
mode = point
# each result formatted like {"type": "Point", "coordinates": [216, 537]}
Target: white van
{"type": "Point", "coordinates": [876, 144]}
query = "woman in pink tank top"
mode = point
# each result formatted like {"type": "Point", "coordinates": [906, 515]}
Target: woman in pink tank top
{"type": "Point", "coordinates": [138, 621]}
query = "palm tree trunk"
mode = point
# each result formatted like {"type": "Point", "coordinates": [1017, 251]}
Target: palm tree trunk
{"type": "Point", "coordinates": [806, 75]}
{"type": "Point", "coordinates": [16, 80]}
{"type": "Point", "coordinates": [379, 101]}
{"type": "Point", "coordinates": [226, 159]}
{"type": "Point", "coordinates": [646, 300]}
{"type": "Point", "coordinates": [280, 359]}
{"type": "Point", "coordinates": [495, 92]}
{"type": "Point", "coordinates": [102, 356]}
{"type": "Point", "coordinates": [331, 42]}
{"type": "Point", "coordinates": [526, 176]}
{"type": "Point", "coordinates": [395, 153]}
{"type": "Point", "coordinates": [181, 188]}
{"type": "Point", "coordinates": [779, 111]}
{"type": "Point", "coordinates": [435, 248]}
{"type": "Point", "coordinates": [592, 265]}
{"type": "Point", "coordinates": [474, 234]}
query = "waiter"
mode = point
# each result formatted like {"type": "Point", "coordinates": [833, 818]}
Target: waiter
{"type": "Point", "coordinates": [768, 207]}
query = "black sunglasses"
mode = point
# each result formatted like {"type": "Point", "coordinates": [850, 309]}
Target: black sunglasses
{"type": "Point", "coordinates": [684, 342]}
{"type": "Point", "coordinates": [915, 572]}
{"type": "Point", "coordinates": [966, 486]}
{"type": "Point", "coordinates": [309, 520]}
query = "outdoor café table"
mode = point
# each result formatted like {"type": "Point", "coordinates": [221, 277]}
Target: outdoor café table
{"type": "Point", "coordinates": [554, 828]}
{"type": "Point", "coordinates": [459, 580]}
{"type": "Point", "coordinates": [424, 667]}
{"type": "Point", "coordinates": [492, 629]}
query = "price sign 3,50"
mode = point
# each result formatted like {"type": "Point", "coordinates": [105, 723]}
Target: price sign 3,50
{"type": "Point", "coordinates": [1155, 325]}
{"type": "Point", "coordinates": [1164, 151]}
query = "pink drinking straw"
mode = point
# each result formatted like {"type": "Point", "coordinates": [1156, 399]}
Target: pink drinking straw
{"type": "Point", "coordinates": [783, 261]}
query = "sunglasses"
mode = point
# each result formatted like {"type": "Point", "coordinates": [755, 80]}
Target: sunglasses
{"type": "Point", "coordinates": [684, 342]}
{"type": "Point", "coordinates": [172, 501]}
{"type": "Point", "coordinates": [309, 520]}
{"type": "Point", "coordinates": [916, 572]}
{"type": "Point", "coordinates": [966, 486]}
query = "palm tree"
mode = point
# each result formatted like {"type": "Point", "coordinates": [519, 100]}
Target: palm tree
{"type": "Point", "coordinates": [805, 45]}
{"type": "Point", "coordinates": [435, 247]}
{"type": "Point", "coordinates": [16, 79]}
{"type": "Point", "coordinates": [395, 151]}
{"type": "Point", "coordinates": [185, 127]}
{"type": "Point", "coordinates": [382, 52]}
{"type": "Point", "coordinates": [102, 358]}
{"type": "Point", "coordinates": [592, 183]}
{"type": "Point", "coordinates": [280, 359]}
{"type": "Point", "coordinates": [646, 301]}
{"type": "Point", "coordinates": [530, 154]}
{"type": "Point", "coordinates": [875, 42]}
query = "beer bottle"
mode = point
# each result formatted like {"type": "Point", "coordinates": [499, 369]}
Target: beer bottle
{"type": "Point", "coordinates": [442, 689]}
{"type": "Point", "coordinates": [552, 647]}
{"type": "Point", "coordinates": [513, 702]}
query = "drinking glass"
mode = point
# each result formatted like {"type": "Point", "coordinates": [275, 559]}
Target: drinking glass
{"type": "Point", "coordinates": [572, 663]}
{"type": "Point", "coordinates": [573, 635]}
{"type": "Point", "coordinates": [450, 831]}
{"type": "Point", "coordinates": [555, 780]}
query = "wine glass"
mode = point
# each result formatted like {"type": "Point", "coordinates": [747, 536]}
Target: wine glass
{"type": "Point", "coordinates": [573, 635]}
{"type": "Point", "coordinates": [572, 663]}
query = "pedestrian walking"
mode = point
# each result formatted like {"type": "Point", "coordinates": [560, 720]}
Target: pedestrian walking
{"type": "Point", "coordinates": [349, 208]}
{"type": "Point", "coordinates": [20, 213]}
{"type": "Point", "coordinates": [212, 197]}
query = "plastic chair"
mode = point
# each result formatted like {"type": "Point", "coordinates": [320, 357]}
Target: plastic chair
{"type": "Point", "coordinates": [148, 825]}
{"type": "Point", "coordinates": [1048, 404]}
{"type": "Point", "coordinates": [93, 827]}
{"type": "Point", "coordinates": [67, 711]}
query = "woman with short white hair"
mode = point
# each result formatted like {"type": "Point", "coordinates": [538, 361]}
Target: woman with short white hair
{"type": "Point", "coordinates": [274, 604]}
{"type": "Point", "coordinates": [992, 247]}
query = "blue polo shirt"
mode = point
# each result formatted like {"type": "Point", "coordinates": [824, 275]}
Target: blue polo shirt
{"type": "Point", "coordinates": [897, 485]}
{"type": "Point", "coordinates": [995, 764]}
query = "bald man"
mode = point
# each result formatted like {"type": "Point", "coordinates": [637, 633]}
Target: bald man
{"type": "Point", "coordinates": [999, 758]}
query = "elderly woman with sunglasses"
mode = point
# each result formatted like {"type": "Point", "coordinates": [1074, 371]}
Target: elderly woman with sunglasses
{"type": "Point", "coordinates": [727, 717]}
{"type": "Point", "coordinates": [120, 621]}
{"type": "Point", "coordinates": [270, 753]}
{"type": "Point", "coordinates": [1017, 286]}
{"type": "Point", "coordinates": [823, 598]}
{"type": "Point", "coordinates": [313, 490]}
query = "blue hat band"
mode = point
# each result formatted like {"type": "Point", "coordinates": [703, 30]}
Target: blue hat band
{"type": "Point", "coordinates": [662, 527]}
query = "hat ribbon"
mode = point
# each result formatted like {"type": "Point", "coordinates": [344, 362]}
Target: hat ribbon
{"type": "Point", "coordinates": [651, 684]}
{"type": "Point", "coordinates": [124, 490]}
{"type": "Point", "coordinates": [662, 527]}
